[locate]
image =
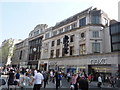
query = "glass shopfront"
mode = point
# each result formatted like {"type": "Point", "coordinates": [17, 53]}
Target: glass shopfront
{"type": "Point", "coordinates": [104, 70]}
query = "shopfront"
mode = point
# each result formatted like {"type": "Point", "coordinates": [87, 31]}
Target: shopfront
{"type": "Point", "coordinates": [105, 64]}
{"type": "Point", "coordinates": [33, 64]}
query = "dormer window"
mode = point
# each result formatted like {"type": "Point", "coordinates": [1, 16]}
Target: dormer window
{"type": "Point", "coordinates": [67, 28]}
{"type": "Point", "coordinates": [95, 19]}
{"type": "Point", "coordinates": [82, 22]}
{"type": "Point", "coordinates": [54, 33]}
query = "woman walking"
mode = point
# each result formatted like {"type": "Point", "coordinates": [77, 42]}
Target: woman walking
{"type": "Point", "coordinates": [25, 81]}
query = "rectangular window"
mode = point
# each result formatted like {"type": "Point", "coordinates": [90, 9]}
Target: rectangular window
{"type": "Point", "coordinates": [52, 53]}
{"type": "Point", "coordinates": [72, 38]}
{"type": "Point", "coordinates": [60, 30]}
{"type": "Point", "coordinates": [95, 19]}
{"type": "Point", "coordinates": [82, 22]}
{"type": "Point", "coordinates": [67, 28]}
{"type": "Point", "coordinates": [58, 42]}
{"type": "Point", "coordinates": [53, 43]}
{"type": "Point", "coordinates": [63, 54]}
{"type": "Point", "coordinates": [54, 33]}
{"type": "Point", "coordinates": [115, 28]}
{"type": "Point", "coordinates": [20, 57]}
{"type": "Point", "coordinates": [95, 34]}
{"type": "Point", "coordinates": [116, 47]}
{"type": "Point", "coordinates": [82, 49]}
{"type": "Point", "coordinates": [115, 38]}
{"type": "Point", "coordinates": [47, 35]}
{"type": "Point", "coordinates": [37, 32]}
{"type": "Point", "coordinates": [57, 52]}
{"type": "Point", "coordinates": [71, 50]}
{"type": "Point", "coordinates": [96, 47]}
{"type": "Point", "coordinates": [74, 25]}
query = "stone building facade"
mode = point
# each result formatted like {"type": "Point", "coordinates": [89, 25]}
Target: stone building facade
{"type": "Point", "coordinates": [89, 46]}
{"type": "Point", "coordinates": [20, 55]}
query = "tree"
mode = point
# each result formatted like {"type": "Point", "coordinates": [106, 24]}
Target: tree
{"type": "Point", "coordinates": [5, 51]}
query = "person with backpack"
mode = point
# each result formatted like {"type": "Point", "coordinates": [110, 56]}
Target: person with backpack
{"type": "Point", "coordinates": [17, 77]}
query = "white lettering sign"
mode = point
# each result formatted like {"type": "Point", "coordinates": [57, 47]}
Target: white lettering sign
{"type": "Point", "coordinates": [99, 61]}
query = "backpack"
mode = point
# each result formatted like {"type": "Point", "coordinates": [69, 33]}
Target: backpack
{"type": "Point", "coordinates": [17, 76]}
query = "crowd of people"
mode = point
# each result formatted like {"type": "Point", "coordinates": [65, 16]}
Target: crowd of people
{"type": "Point", "coordinates": [38, 78]}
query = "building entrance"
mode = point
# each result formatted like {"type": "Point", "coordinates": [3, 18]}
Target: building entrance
{"type": "Point", "coordinates": [104, 70]}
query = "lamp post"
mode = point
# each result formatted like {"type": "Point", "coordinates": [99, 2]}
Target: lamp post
{"type": "Point", "coordinates": [34, 51]}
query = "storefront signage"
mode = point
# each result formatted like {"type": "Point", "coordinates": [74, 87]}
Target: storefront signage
{"type": "Point", "coordinates": [52, 63]}
{"type": "Point", "coordinates": [99, 61]}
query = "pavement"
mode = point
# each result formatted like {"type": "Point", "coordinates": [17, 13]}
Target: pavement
{"type": "Point", "coordinates": [65, 86]}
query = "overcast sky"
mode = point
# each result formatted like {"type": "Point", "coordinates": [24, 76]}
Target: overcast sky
{"type": "Point", "coordinates": [19, 17]}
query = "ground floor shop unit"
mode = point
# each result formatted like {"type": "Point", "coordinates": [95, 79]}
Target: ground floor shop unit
{"type": "Point", "coordinates": [108, 64]}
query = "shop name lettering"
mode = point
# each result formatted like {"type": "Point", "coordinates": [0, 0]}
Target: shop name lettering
{"type": "Point", "coordinates": [99, 61]}
{"type": "Point", "coordinates": [53, 63]}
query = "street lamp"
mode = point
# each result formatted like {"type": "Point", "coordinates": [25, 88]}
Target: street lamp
{"type": "Point", "coordinates": [34, 49]}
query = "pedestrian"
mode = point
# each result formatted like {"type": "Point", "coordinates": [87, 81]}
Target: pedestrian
{"type": "Point", "coordinates": [83, 83]}
{"type": "Point", "coordinates": [25, 81]}
{"type": "Point", "coordinates": [99, 81]}
{"type": "Point", "coordinates": [11, 78]}
{"type": "Point", "coordinates": [35, 72]}
{"type": "Point", "coordinates": [38, 80]}
{"type": "Point", "coordinates": [60, 79]}
{"type": "Point", "coordinates": [112, 81]}
{"type": "Point", "coordinates": [45, 75]}
{"type": "Point", "coordinates": [57, 80]}
{"type": "Point", "coordinates": [17, 77]}
{"type": "Point", "coordinates": [68, 76]}
{"type": "Point", "coordinates": [90, 78]}
{"type": "Point", "coordinates": [74, 80]}
{"type": "Point", "coordinates": [76, 86]}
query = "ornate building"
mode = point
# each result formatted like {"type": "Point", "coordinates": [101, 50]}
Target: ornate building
{"type": "Point", "coordinates": [80, 42]}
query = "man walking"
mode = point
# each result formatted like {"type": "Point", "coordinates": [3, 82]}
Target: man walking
{"type": "Point", "coordinates": [99, 81]}
{"type": "Point", "coordinates": [38, 80]}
